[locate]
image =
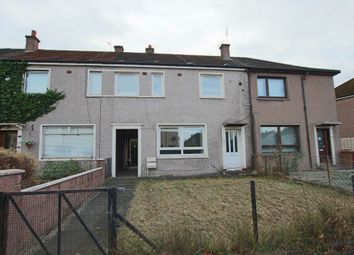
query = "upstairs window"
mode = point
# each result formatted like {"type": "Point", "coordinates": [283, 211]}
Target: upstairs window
{"type": "Point", "coordinates": [211, 86]}
{"type": "Point", "coordinates": [283, 139]}
{"type": "Point", "coordinates": [127, 84]}
{"type": "Point", "coordinates": [95, 83]}
{"type": "Point", "coordinates": [271, 87]}
{"type": "Point", "coordinates": [157, 88]}
{"type": "Point", "coordinates": [37, 81]}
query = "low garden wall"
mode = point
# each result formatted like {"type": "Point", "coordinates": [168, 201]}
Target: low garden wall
{"type": "Point", "coordinates": [10, 180]}
{"type": "Point", "coordinates": [347, 158]}
{"type": "Point", "coordinates": [41, 210]}
{"type": "Point", "coordinates": [88, 179]}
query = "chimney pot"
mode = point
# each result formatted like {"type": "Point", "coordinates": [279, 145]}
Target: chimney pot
{"type": "Point", "coordinates": [118, 48]}
{"type": "Point", "coordinates": [150, 49]}
{"type": "Point", "coordinates": [225, 51]}
{"type": "Point", "coordinates": [32, 42]}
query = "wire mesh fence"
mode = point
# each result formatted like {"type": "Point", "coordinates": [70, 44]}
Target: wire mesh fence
{"type": "Point", "coordinates": [55, 222]}
{"type": "Point", "coordinates": [325, 171]}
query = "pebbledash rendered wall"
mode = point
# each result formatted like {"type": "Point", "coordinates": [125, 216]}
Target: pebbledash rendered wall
{"type": "Point", "coordinates": [180, 105]}
{"type": "Point", "coordinates": [321, 108]}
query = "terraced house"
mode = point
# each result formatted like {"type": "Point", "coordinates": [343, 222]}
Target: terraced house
{"type": "Point", "coordinates": [171, 114]}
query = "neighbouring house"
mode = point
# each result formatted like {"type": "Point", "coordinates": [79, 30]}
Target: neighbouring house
{"type": "Point", "coordinates": [171, 114]}
{"type": "Point", "coordinates": [345, 109]}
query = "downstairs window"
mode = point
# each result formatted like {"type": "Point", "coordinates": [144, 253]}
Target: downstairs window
{"type": "Point", "coordinates": [67, 142]}
{"type": "Point", "coordinates": [283, 139]}
{"type": "Point", "coordinates": [182, 141]}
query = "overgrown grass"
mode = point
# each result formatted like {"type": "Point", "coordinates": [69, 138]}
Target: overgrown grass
{"type": "Point", "coordinates": [213, 216]}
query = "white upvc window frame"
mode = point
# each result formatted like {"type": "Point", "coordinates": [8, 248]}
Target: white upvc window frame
{"type": "Point", "coordinates": [222, 85]}
{"type": "Point", "coordinates": [180, 126]}
{"type": "Point", "coordinates": [89, 83]}
{"type": "Point", "coordinates": [41, 142]}
{"type": "Point", "coordinates": [162, 84]}
{"type": "Point", "coordinates": [116, 74]}
{"type": "Point", "coordinates": [33, 69]}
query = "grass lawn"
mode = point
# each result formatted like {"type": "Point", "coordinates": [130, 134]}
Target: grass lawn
{"type": "Point", "coordinates": [193, 215]}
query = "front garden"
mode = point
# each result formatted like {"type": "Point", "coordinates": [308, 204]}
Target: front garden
{"type": "Point", "coordinates": [213, 216]}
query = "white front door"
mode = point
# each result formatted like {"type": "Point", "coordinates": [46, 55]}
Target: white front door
{"type": "Point", "coordinates": [232, 149]}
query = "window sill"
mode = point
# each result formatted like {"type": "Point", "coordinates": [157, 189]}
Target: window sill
{"type": "Point", "coordinates": [271, 154]}
{"type": "Point", "coordinates": [116, 96]}
{"type": "Point", "coordinates": [183, 157]}
{"type": "Point", "coordinates": [65, 159]}
{"type": "Point", "coordinates": [201, 97]}
{"type": "Point", "coordinates": [273, 99]}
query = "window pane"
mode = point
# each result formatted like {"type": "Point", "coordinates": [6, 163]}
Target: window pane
{"type": "Point", "coordinates": [193, 151]}
{"type": "Point", "coordinates": [227, 141]}
{"type": "Point", "coordinates": [210, 85]}
{"type": "Point", "coordinates": [269, 135]}
{"type": "Point", "coordinates": [169, 137]}
{"type": "Point", "coordinates": [95, 83]}
{"type": "Point", "coordinates": [193, 137]}
{"type": "Point", "coordinates": [65, 145]}
{"type": "Point", "coordinates": [236, 144]}
{"type": "Point", "coordinates": [262, 90]}
{"type": "Point", "coordinates": [269, 149]}
{"type": "Point", "coordinates": [289, 149]}
{"type": "Point", "coordinates": [81, 130]}
{"type": "Point", "coordinates": [156, 80]}
{"type": "Point", "coordinates": [36, 81]}
{"type": "Point", "coordinates": [288, 135]}
{"type": "Point", "coordinates": [170, 152]}
{"type": "Point", "coordinates": [127, 84]}
{"type": "Point", "coordinates": [276, 87]}
{"type": "Point", "coordinates": [55, 130]}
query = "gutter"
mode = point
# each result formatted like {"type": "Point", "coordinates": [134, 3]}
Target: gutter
{"type": "Point", "coordinates": [303, 78]}
{"type": "Point", "coordinates": [135, 65]}
{"type": "Point", "coordinates": [253, 128]}
{"type": "Point", "coordinates": [344, 97]}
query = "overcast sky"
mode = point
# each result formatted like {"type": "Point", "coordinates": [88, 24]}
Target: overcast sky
{"type": "Point", "coordinates": [315, 33]}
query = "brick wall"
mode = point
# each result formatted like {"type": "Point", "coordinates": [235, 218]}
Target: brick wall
{"type": "Point", "coordinates": [42, 210]}
{"type": "Point", "coordinates": [10, 180]}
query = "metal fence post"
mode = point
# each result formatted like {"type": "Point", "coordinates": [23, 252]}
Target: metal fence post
{"type": "Point", "coordinates": [328, 172]}
{"type": "Point", "coordinates": [254, 210]}
{"type": "Point", "coordinates": [4, 209]}
{"type": "Point", "coordinates": [59, 225]}
{"type": "Point", "coordinates": [353, 184]}
{"type": "Point", "coordinates": [112, 230]}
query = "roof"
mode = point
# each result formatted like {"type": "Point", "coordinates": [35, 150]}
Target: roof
{"type": "Point", "coordinates": [133, 58]}
{"type": "Point", "coordinates": [8, 53]}
{"type": "Point", "coordinates": [346, 89]}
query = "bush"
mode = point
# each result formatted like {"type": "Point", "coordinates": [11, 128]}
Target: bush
{"type": "Point", "coordinates": [59, 169]}
{"type": "Point", "coordinates": [11, 159]}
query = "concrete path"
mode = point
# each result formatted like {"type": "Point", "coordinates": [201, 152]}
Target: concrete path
{"type": "Point", "coordinates": [123, 198]}
{"type": "Point", "coordinates": [339, 178]}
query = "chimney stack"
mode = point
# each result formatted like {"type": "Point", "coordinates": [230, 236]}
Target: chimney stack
{"type": "Point", "coordinates": [32, 42]}
{"type": "Point", "coordinates": [150, 49]}
{"type": "Point", "coordinates": [225, 51]}
{"type": "Point", "coordinates": [118, 48]}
